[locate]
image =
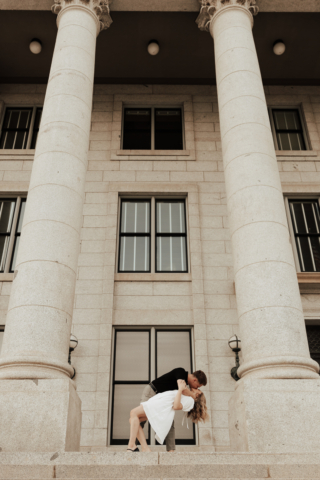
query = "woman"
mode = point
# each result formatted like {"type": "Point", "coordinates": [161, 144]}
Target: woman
{"type": "Point", "coordinates": [160, 411]}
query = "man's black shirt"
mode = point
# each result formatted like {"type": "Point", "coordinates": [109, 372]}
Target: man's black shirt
{"type": "Point", "coordinates": [168, 381]}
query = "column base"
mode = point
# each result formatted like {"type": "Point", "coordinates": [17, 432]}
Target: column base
{"type": "Point", "coordinates": [39, 416]}
{"type": "Point", "coordinates": [275, 416]}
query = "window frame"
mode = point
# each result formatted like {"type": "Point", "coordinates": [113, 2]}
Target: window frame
{"type": "Point", "coordinates": [153, 107]}
{"type": "Point", "coordinates": [31, 127]}
{"type": "Point", "coordinates": [152, 197]}
{"type": "Point", "coordinates": [156, 235]}
{"type": "Point", "coordinates": [13, 234]}
{"type": "Point", "coordinates": [304, 130]}
{"type": "Point", "coordinates": [302, 198]}
{"type": "Point", "coordinates": [152, 374]}
{"type": "Point", "coordinates": [149, 235]}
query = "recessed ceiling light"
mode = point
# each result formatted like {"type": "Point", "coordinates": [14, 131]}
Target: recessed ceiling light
{"type": "Point", "coordinates": [279, 47]}
{"type": "Point", "coordinates": [35, 46]}
{"type": "Point", "coordinates": [153, 47]}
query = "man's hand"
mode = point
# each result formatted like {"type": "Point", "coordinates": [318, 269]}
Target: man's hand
{"type": "Point", "coordinates": [181, 385]}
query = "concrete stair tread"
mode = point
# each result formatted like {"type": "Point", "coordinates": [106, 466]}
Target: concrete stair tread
{"type": "Point", "coordinates": [114, 466]}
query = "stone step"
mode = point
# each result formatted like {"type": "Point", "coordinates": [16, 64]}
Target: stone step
{"type": "Point", "coordinates": [156, 466]}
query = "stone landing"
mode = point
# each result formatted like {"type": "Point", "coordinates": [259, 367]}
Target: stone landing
{"type": "Point", "coordinates": [29, 466]}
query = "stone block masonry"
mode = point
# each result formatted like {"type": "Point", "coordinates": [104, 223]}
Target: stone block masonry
{"type": "Point", "coordinates": [208, 302]}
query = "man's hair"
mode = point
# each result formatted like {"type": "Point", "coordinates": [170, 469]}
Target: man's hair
{"type": "Point", "coordinates": [201, 377]}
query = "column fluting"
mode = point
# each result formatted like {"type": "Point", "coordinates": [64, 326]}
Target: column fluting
{"type": "Point", "coordinates": [274, 341]}
{"type": "Point", "coordinates": [38, 325]}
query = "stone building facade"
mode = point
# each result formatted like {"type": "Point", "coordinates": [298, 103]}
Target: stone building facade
{"type": "Point", "coordinates": [245, 274]}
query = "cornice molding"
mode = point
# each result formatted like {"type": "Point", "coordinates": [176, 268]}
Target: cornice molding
{"type": "Point", "coordinates": [209, 8]}
{"type": "Point", "coordinates": [100, 8]}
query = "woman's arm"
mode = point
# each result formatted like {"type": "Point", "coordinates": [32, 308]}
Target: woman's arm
{"type": "Point", "coordinates": [177, 405]}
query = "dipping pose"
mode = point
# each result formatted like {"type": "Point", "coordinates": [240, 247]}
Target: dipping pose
{"type": "Point", "coordinates": [160, 410]}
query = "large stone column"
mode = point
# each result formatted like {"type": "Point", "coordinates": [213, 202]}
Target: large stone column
{"type": "Point", "coordinates": [36, 340]}
{"type": "Point", "coordinates": [274, 342]}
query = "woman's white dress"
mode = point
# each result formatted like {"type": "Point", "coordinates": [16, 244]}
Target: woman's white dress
{"type": "Point", "coordinates": [161, 414]}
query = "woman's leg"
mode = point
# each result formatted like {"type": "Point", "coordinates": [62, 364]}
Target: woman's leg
{"type": "Point", "coordinates": [142, 438]}
{"type": "Point", "coordinates": [134, 421]}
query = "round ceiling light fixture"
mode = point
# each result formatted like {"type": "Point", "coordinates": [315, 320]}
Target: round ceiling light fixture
{"type": "Point", "coordinates": [35, 46]}
{"type": "Point", "coordinates": [279, 47]}
{"type": "Point", "coordinates": [153, 47]}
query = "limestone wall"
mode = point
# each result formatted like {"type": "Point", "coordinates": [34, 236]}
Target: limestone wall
{"type": "Point", "coordinates": [205, 298]}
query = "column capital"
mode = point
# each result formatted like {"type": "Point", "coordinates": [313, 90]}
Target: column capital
{"type": "Point", "coordinates": [209, 8]}
{"type": "Point", "coordinates": [100, 8]}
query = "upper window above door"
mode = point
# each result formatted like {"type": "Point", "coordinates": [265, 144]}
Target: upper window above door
{"type": "Point", "coordinates": [287, 129]}
{"type": "Point", "coordinates": [152, 128]}
{"type": "Point", "coordinates": [20, 128]}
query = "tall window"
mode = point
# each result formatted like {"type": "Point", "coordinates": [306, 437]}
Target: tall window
{"type": "Point", "coordinates": [152, 129]}
{"type": "Point", "coordinates": [1, 336]}
{"type": "Point", "coordinates": [20, 128]}
{"type": "Point", "coordinates": [135, 236]}
{"type": "Point", "coordinates": [305, 217]}
{"type": "Point", "coordinates": [171, 237]}
{"type": "Point", "coordinates": [153, 235]}
{"type": "Point", "coordinates": [155, 351]}
{"type": "Point", "coordinates": [287, 128]}
{"type": "Point", "coordinates": [11, 218]}
{"type": "Point", "coordinates": [313, 334]}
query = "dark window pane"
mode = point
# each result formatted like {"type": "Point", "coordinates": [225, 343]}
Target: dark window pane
{"type": "Point", "coordinates": [15, 253]}
{"type": "Point", "coordinates": [297, 213]}
{"type": "Point", "coordinates": [306, 261]}
{"type": "Point", "coordinates": [137, 129]}
{"type": "Point", "coordinates": [171, 254]}
{"type": "Point", "coordinates": [21, 215]}
{"type": "Point", "coordinates": [168, 129]}
{"type": "Point", "coordinates": [24, 119]}
{"type": "Point", "coordinates": [311, 211]}
{"type": "Point", "coordinates": [126, 397]}
{"type": "Point", "coordinates": [170, 217]}
{"type": "Point", "coordinates": [6, 215]}
{"type": "Point", "coordinates": [15, 128]}
{"type": "Point", "coordinates": [36, 128]}
{"type": "Point", "coordinates": [313, 334]}
{"type": "Point", "coordinates": [133, 345]}
{"type": "Point", "coordinates": [14, 119]}
{"type": "Point", "coordinates": [134, 254]}
{"type": "Point", "coordinates": [135, 217]}
{"type": "Point", "coordinates": [4, 244]}
{"type": "Point", "coordinates": [20, 140]}
{"type": "Point", "coordinates": [315, 246]}
{"type": "Point", "coordinates": [7, 140]}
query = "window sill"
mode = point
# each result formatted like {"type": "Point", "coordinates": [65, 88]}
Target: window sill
{"type": "Point", "coordinates": [153, 155]}
{"type": "Point", "coordinates": [309, 282]}
{"type": "Point", "coordinates": [283, 154]}
{"type": "Point", "coordinates": [16, 154]}
{"type": "Point", "coordinates": [6, 277]}
{"type": "Point", "coordinates": [152, 277]}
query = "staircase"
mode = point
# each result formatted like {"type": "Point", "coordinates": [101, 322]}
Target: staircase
{"type": "Point", "coordinates": [36, 466]}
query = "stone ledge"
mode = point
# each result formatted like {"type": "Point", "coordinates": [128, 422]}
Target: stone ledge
{"type": "Point", "coordinates": [309, 282]}
{"type": "Point", "coordinates": [152, 277]}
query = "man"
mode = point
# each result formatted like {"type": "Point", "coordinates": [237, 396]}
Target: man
{"type": "Point", "coordinates": [169, 381]}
